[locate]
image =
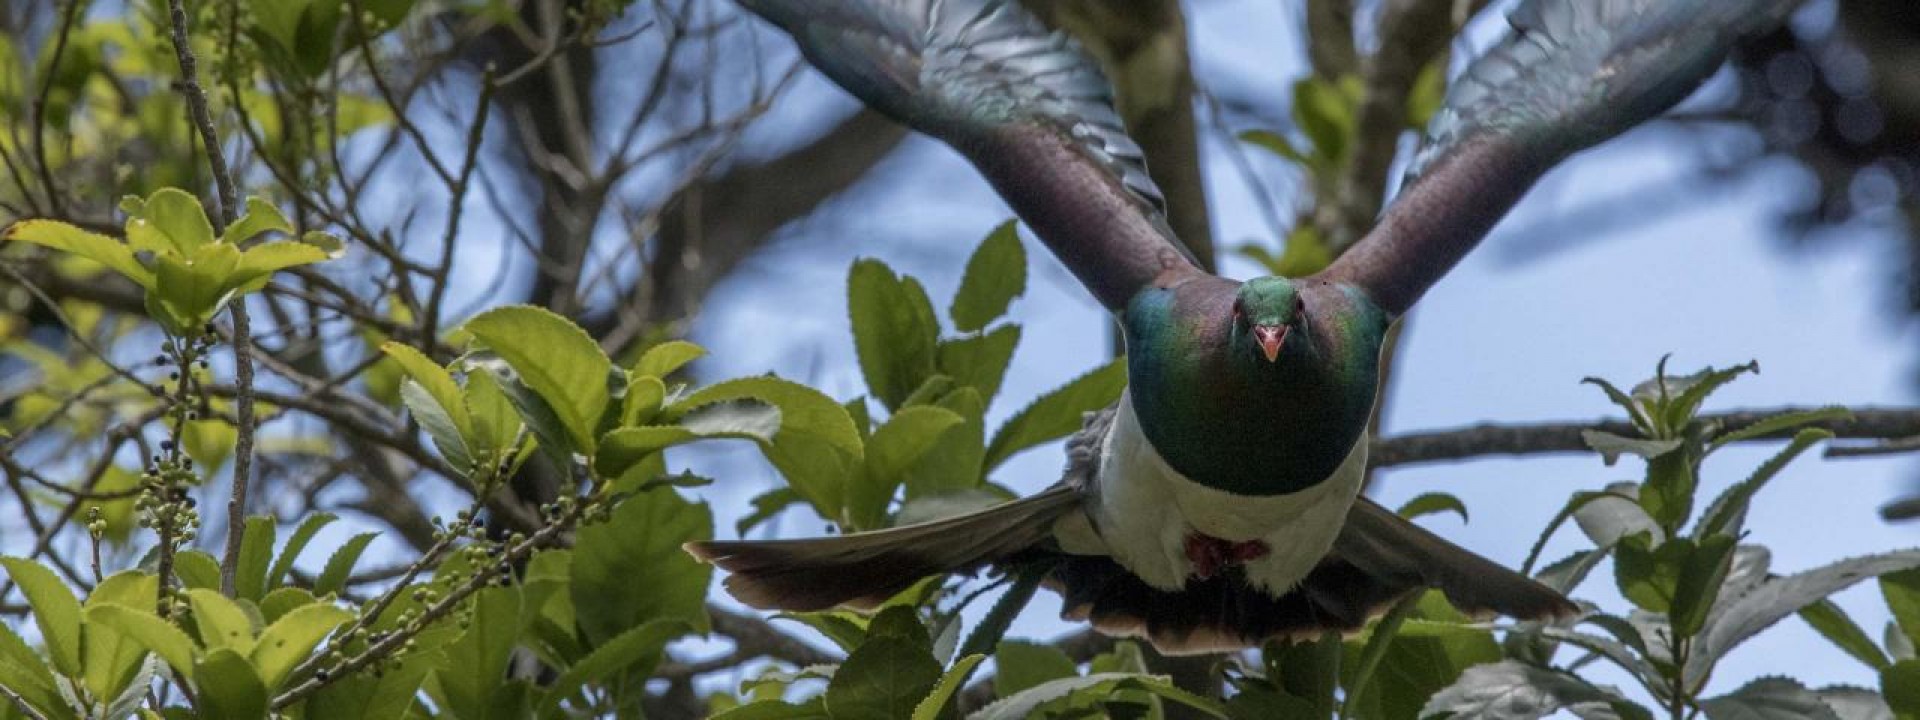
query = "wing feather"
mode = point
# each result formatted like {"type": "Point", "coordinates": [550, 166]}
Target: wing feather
{"type": "Point", "coordinates": [1572, 74]}
{"type": "Point", "coordinates": [1026, 105]}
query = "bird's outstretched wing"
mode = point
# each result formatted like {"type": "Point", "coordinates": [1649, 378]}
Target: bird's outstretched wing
{"type": "Point", "coordinates": [1573, 74]}
{"type": "Point", "coordinates": [1027, 106]}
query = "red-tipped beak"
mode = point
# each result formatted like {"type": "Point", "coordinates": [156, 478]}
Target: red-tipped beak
{"type": "Point", "coordinates": [1270, 338]}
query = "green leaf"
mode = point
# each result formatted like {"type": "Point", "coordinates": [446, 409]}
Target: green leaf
{"type": "Point", "coordinates": [283, 600]}
{"type": "Point", "coordinates": [1727, 514]}
{"type": "Point", "coordinates": [803, 410]}
{"type": "Point", "coordinates": [25, 672]}
{"type": "Point", "coordinates": [295, 544]}
{"type": "Point", "coordinates": [1433, 503]}
{"type": "Point", "coordinates": [623, 449]}
{"type": "Point", "coordinates": [1611, 446]}
{"type": "Point", "coordinates": [884, 679]}
{"type": "Point", "coordinates": [639, 546]}
{"type": "Point", "coordinates": [441, 426]}
{"type": "Point", "coordinates": [844, 627]}
{"type": "Point", "coordinates": [995, 275]}
{"type": "Point", "coordinates": [643, 401]}
{"type": "Point", "coordinates": [113, 661]}
{"type": "Point", "coordinates": [289, 641]}
{"type": "Point", "coordinates": [1021, 665]}
{"type": "Point", "coordinates": [483, 651]}
{"type": "Point", "coordinates": [1768, 698]}
{"type": "Point", "coordinates": [178, 218]}
{"type": "Point", "coordinates": [496, 425]}
{"type": "Point", "coordinates": [1511, 689]}
{"type": "Point", "coordinates": [1780, 423]}
{"type": "Point", "coordinates": [258, 263]}
{"type": "Point", "coordinates": [1833, 624]}
{"type": "Point", "coordinates": [638, 647]}
{"type": "Point", "coordinates": [894, 330]}
{"type": "Point", "coordinates": [1901, 685]}
{"type": "Point", "coordinates": [662, 360]}
{"type": "Point", "coordinates": [256, 550]}
{"type": "Point", "coordinates": [1057, 414]}
{"type": "Point", "coordinates": [339, 566]}
{"type": "Point", "coordinates": [1774, 599]}
{"type": "Point", "coordinates": [107, 251]}
{"type": "Point", "coordinates": [230, 688]}
{"type": "Point", "coordinates": [950, 683]}
{"type": "Point", "coordinates": [221, 622]}
{"type": "Point", "coordinates": [260, 217]}
{"type": "Point", "coordinates": [197, 569]}
{"type": "Point", "coordinates": [1027, 702]}
{"type": "Point", "coordinates": [556, 359]}
{"type": "Point", "coordinates": [892, 451]}
{"type": "Point", "coordinates": [55, 610]}
{"type": "Point", "coordinates": [1648, 575]}
{"type": "Point", "coordinates": [953, 463]}
{"type": "Point", "coordinates": [1626, 402]}
{"type": "Point", "coordinates": [1698, 586]}
{"type": "Point", "coordinates": [1902, 592]}
{"type": "Point", "coordinates": [1325, 114]}
{"type": "Point", "coordinates": [439, 387]}
{"type": "Point", "coordinates": [189, 290]}
{"type": "Point", "coordinates": [1690, 391]}
{"type": "Point", "coordinates": [1667, 494]}
{"type": "Point", "coordinates": [1273, 143]}
{"type": "Point", "coordinates": [980, 361]}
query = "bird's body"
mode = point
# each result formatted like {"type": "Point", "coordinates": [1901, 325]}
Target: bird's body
{"type": "Point", "coordinates": [1216, 505]}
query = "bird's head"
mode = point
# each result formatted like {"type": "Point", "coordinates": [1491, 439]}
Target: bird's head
{"type": "Point", "coordinates": [1269, 318]}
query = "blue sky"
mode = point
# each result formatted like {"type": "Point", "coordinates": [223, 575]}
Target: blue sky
{"type": "Point", "coordinates": [1505, 338]}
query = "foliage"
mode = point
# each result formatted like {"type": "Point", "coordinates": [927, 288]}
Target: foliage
{"type": "Point", "coordinates": [568, 606]}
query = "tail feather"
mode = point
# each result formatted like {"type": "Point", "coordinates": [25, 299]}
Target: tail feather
{"type": "Point", "coordinates": [1378, 559]}
{"type": "Point", "coordinates": [866, 568]}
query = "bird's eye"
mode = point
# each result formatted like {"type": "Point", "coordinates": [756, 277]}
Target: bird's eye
{"type": "Point", "coordinates": [1238, 309]}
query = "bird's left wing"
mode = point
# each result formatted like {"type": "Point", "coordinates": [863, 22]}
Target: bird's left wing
{"type": "Point", "coordinates": [1573, 74]}
{"type": "Point", "coordinates": [1026, 105]}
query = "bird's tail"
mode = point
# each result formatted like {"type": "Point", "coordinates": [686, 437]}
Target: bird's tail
{"type": "Point", "coordinates": [1378, 559]}
{"type": "Point", "coordinates": [866, 568]}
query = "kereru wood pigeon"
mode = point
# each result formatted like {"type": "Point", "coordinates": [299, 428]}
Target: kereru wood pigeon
{"type": "Point", "coordinates": [1215, 505]}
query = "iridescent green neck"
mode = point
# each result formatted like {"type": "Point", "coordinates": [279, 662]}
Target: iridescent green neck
{"type": "Point", "coordinates": [1231, 420]}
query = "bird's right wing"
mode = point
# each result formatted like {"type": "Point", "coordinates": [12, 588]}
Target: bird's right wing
{"type": "Point", "coordinates": [1573, 74]}
{"type": "Point", "coordinates": [1026, 105]}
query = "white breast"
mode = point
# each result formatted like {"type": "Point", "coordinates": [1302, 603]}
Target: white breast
{"type": "Point", "coordinates": [1146, 509]}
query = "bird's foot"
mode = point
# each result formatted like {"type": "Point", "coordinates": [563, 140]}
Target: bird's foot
{"type": "Point", "coordinates": [1210, 555]}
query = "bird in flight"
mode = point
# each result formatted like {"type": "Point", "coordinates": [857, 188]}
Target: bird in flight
{"type": "Point", "coordinates": [1216, 505]}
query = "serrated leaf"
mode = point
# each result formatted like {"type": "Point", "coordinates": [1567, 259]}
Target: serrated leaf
{"type": "Point", "coordinates": [950, 683]}
{"type": "Point", "coordinates": [1768, 698]}
{"type": "Point", "coordinates": [803, 410]}
{"type": "Point", "coordinates": [1780, 423]}
{"type": "Point", "coordinates": [882, 680]}
{"type": "Point", "coordinates": [637, 648]}
{"type": "Point", "coordinates": [995, 275]}
{"type": "Point", "coordinates": [440, 426]}
{"type": "Point", "coordinates": [283, 600]}
{"type": "Point", "coordinates": [1855, 703]}
{"type": "Point", "coordinates": [221, 622]}
{"type": "Point", "coordinates": [1057, 414]}
{"type": "Point", "coordinates": [624, 448]}
{"type": "Point", "coordinates": [256, 551]}
{"type": "Point", "coordinates": [197, 569]}
{"type": "Point", "coordinates": [556, 360]}
{"type": "Point", "coordinates": [1777, 598]}
{"type": "Point", "coordinates": [229, 686]}
{"type": "Point", "coordinates": [260, 217]}
{"type": "Point", "coordinates": [1433, 503]}
{"type": "Point", "coordinates": [290, 552]}
{"type": "Point", "coordinates": [1902, 592]}
{"type": "Point", "coordinates": [662, 360]}
{"type": "Point", "coordinates": [1606, 517]}
{"type": "Point", "coordinates": [1838, 628]}
{"type": "Point", "coordinates": [55, 611]}
{"type": "Point", "coordinates": [258, 263]}
{"type": "Point", "coordinates": [894, 330]}
{"type": "Point", "coordinates": [288, 641]}
{"type": "Point", "coordinates": [1701, 575]}
{"type": "Point", "coordinates": [639, 546]}
{"type": "Point", "coordinates": [891, 452]}
{"type": "Point", "coordinates": [1900, 684]}
{"type": "Point", "coordinates": [176, 216]}
{"type": "Point", "coordinates": [1510, 690]}
{"type": "Point", "coordinates": [333, 577]}
{"type": "Point", "coordinates": [980, 361]}
{"type": "Point", "coordinates": [1728, 512]}
{"type": "Point", "coordinates": [1626, 402]}
{"type": "Point", "coordinates": [953, 463]}
{"type": "Point", "coordinates": [438, 384]}
{"type": "Point", "coordinates": [60, 236]}
{"type": "Point", "coordinates": [1019, 665]}
{"type": "Point", "coordinates": [1688, 392]}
